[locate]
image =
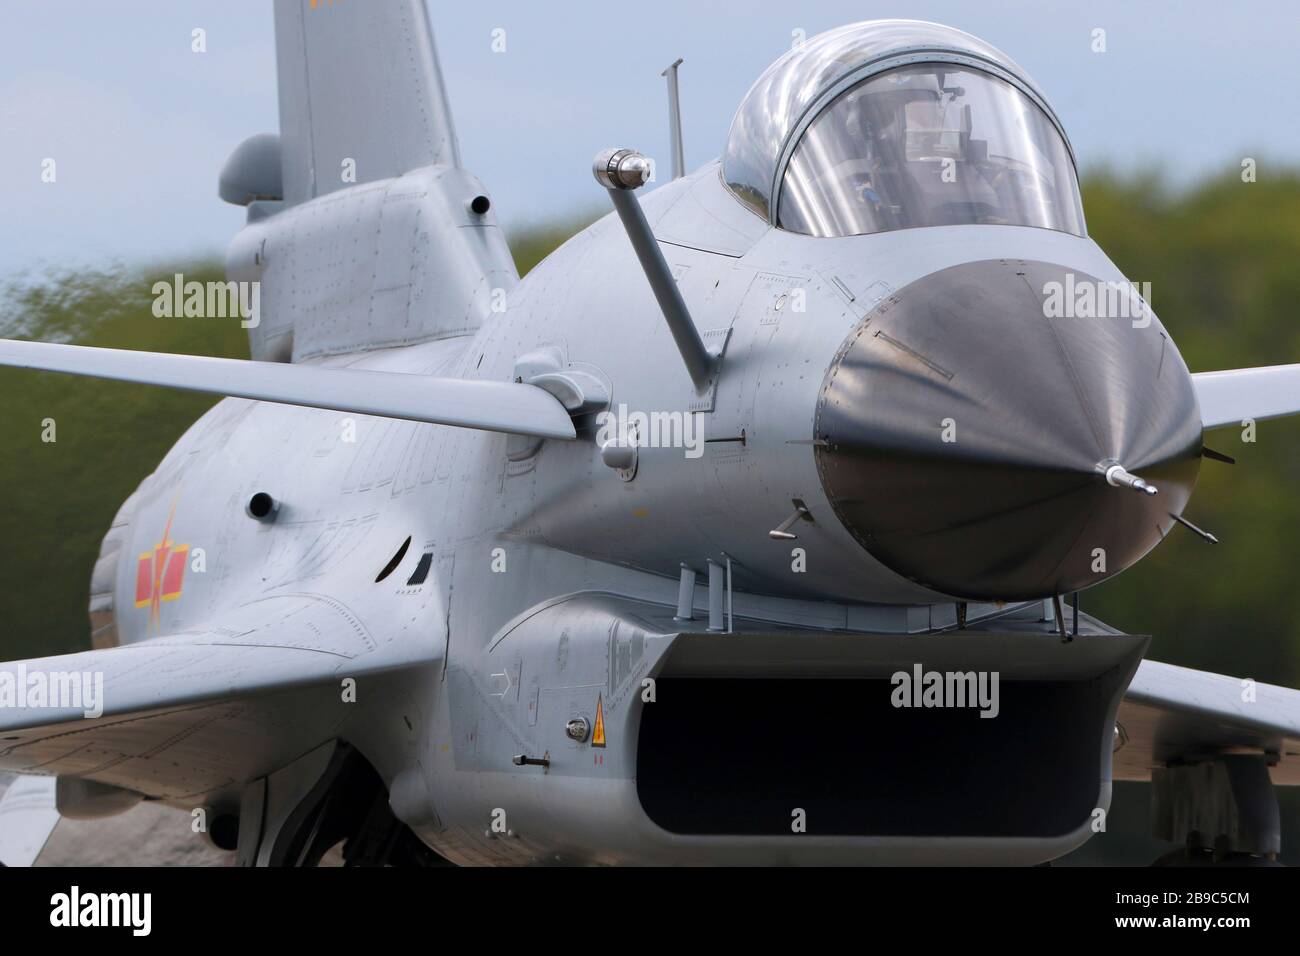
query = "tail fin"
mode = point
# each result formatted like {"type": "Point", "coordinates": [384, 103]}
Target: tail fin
{"type": "Point", "coordinates": [365, 231]}
{"type": "Point", "coordinates": [359, 84]}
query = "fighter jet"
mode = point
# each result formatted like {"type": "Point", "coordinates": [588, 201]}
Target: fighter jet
{"type": "Point", "coordinates": [742, 530]}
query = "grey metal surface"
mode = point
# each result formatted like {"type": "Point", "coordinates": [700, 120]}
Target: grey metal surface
{"type": "Point", "coordinates": [495, 406]}
{"type": "Point", "coordinates": [252, 173]}
{"type": "Point", "coordinates": [269, 676]}
{"type": "Point", "coordinates": [1247, 394]}
{"type": "Point", "coordinates": [568, 653]}
{"type": "Point", "coordinates": [382, 110]}
{"type": "Point", "coordinates": [675, 119]}
{"type": "Point", "coordinates": [699, 215]}
{"type": "Point", "coordinates": [418, 265]}
{"type": "Point", "coordinates": [960, 433]}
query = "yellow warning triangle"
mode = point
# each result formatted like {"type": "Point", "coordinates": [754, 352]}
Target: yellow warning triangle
{"type": "Point", "coordinates": [598, 732]}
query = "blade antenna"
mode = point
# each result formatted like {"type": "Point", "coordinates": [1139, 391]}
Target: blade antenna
{"type": "Point", "coordinates": [1191, 527]}
{"type": "Point", "coordinates": [675, 119]}
{"type": "Point", "coordinates": [1217, 456]}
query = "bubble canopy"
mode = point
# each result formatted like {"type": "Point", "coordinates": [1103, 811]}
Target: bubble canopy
{"type": "Point", "coordinates": [890, 124]}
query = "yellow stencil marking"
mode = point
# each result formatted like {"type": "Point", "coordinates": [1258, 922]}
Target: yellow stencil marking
{"type": "Point", "coordinates": [598, 732]}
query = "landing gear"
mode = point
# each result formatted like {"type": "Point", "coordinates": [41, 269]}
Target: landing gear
{"type": "Point", "coordinates": [331, 796]}
{"type": "Point", "coordinates": [1195, 856]}
{"type": "Point", "coordinates": [384, 840]}
{"type": "Point", "coordinates": [1222, 809]}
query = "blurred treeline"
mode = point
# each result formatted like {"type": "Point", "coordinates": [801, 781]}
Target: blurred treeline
{"type": "Point", "coordinates": [1221, 258]}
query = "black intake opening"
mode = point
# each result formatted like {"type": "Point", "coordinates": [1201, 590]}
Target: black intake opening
{"type": "Point", "coordinates": [394, 561]}
{"type": "Point", "coordinates": [738, 756]}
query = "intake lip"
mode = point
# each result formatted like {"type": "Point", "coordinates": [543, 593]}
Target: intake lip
{"type": "Point", "coordinates": [1016, 504]}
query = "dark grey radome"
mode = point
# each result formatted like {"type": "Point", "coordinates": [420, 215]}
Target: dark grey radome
{"type": "Point", "coordinates": [965, 435]}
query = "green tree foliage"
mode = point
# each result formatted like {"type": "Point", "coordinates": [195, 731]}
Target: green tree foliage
{"type": "Point", "coordinates": [61, 496]}
{"type": "Point", "coordinates": [1222, 262]}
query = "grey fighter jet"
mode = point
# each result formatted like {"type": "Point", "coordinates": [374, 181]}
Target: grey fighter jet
{"type": "Point", "coordinates": [737, 532]}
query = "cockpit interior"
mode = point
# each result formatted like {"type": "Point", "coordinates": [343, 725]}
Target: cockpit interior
{"type": "Point", "coordinates": [929, 145]}
{"type": "Point", "coordinates": [877, 127]}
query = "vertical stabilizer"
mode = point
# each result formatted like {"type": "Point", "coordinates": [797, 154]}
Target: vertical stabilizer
{"type": "Point", "coordinates": [361, 93]}
{"type": "Point", "coordinates": [372, 235]}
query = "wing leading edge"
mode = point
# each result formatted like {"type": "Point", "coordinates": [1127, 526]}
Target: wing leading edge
{"type": "Point", "coordinates": [511, 407]}
{"type": "Point", "coordinates": [1175, 714]}
{"type": "Point", "coordinates": [1233, 396]}
{"type": "Point", "coordinates": [212, 708]}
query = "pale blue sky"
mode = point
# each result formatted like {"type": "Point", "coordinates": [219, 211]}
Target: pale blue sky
{"type": "Point", "coordinates": [139, 125]}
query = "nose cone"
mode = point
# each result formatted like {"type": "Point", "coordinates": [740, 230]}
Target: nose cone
{"type": "Point", "coordinates": [966, 426]}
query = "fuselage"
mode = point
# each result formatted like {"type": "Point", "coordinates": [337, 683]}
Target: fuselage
{"type": "Point", "coordinates": [787, 305]}
{"type": "Point", "coordinates": [497, 527]}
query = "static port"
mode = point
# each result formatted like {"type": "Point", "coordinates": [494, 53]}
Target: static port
{"type": "Point", "coordinates": [262, 506]}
